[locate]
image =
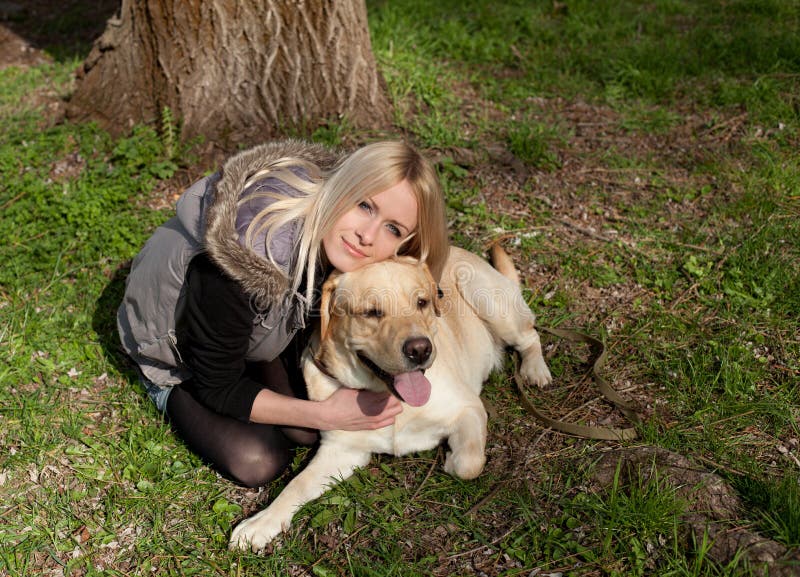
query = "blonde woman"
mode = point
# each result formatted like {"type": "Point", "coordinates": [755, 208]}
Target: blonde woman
{"type": "Point", "coordinates": [217, 303]}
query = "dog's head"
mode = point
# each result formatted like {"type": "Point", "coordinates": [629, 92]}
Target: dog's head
{"type": "Point", "coordinates": [378, 325]}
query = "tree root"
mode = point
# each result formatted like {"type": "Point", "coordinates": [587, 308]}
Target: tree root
{"type": "Point", "coordinates": [712, 507]}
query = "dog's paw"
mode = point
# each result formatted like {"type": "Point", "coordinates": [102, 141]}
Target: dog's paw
{"type": "Point", "coordinates": [254, 534]}
{"type": "Point", "coordinates": [535, 370]}
{"type": "Point", "coordinates": [464, 465]}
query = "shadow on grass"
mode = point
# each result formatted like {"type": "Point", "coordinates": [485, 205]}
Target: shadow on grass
{"type": "Point", "coordinates": [65, 29]}
{"type": "Point", "coordinates": [104, 323]}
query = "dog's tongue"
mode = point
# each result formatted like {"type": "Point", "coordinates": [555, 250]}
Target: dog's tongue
{"type": "Point", "coordinates": [413, 387]}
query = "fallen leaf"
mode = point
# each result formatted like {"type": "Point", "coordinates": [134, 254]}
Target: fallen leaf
{"type": "Point", "coordinates": [81, 535]}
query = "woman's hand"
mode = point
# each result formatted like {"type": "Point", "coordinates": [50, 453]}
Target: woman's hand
{"type": "Point", "coordinates": [344, 410]}
{"type": "Point", "coordinates": [353, 410]}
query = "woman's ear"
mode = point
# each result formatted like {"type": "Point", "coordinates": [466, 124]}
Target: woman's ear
{"type": "Point", "coordinates": [327, 303]}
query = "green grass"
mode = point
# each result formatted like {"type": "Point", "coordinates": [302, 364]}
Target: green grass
{"type": "Point", "coordinates": [648, 186]}
{"type": "Point", "coordinates": [776, 505]}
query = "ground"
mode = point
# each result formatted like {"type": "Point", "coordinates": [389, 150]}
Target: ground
{"type": "Point", "coordinates": [569, 188]}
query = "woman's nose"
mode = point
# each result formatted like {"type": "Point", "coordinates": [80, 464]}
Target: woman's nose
{"type": "Point", "coordinates": [367, 231]}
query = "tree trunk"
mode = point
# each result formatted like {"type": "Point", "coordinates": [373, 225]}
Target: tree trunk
{"type": "Point", "coordinates": [233, 70]}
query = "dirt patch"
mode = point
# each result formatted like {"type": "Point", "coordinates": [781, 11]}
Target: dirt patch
{"type": "Point", "coordinates": [16, 51]}
{"type": "Point", "coordinates": [61, 28]}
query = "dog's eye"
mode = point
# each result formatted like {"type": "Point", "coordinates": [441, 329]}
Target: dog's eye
{"type": "Point", "coordinates": [422, 303]}
{"type": "Point", "coordinates": [373, 313]}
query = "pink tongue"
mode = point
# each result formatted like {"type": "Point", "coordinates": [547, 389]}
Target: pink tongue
{"type": "Point", "coordinates": [413, 387]}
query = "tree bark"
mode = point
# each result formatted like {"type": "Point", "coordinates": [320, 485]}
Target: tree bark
{"type": "Point", "coordinates": [233, 70]}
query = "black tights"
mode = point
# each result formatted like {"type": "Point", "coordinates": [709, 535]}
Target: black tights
{"type": "Point", "coordinates": [250, 454]}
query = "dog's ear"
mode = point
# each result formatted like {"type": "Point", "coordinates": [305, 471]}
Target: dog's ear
{"type": "Point", "coordinates": [326, 304]}
{"type": "Point", "coordinates": [436, 292]}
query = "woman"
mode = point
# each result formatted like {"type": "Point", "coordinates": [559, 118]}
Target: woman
{"type": "Point", "coordinates": [217, 302]}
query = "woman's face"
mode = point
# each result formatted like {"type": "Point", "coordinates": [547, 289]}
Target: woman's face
{"type": "Point", "coordinates": [372, 230]}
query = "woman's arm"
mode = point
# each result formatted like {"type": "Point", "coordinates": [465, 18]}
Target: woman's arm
{"type": "Point", "coordinates": [213, 331]}
{"type": "Point", "coordinates": [346, 410]}
{"type": "Point", "coordinates": [213, 335]}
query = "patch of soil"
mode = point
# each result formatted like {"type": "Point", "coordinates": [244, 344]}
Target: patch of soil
{"type": "Point", "coordinates": [16, 51]}
{"type": "Point", "coordinates": [66, 26]}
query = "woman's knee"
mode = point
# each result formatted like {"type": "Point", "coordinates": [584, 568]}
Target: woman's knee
{"type": "Point", "coordinates": [249, 454]}
{"type": "Point", "coordinates": [256, 462]}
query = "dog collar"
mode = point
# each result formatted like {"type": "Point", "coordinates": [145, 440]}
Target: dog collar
{"type": "Point", "coordinates": [321, 366]}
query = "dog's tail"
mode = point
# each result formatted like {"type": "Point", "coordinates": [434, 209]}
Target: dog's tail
{"type": "Point", "coordinates": [503, 263]}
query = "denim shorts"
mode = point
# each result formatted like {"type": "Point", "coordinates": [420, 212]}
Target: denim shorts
{"type": "Point", "coordinates": [157, 394]}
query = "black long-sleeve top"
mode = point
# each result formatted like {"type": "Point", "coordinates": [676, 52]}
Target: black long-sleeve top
{"type": "Point", "coordinates": [214, 330]}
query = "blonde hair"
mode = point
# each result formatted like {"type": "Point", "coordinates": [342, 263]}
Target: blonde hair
{"type": "Point", "coordinates": [327, 196]}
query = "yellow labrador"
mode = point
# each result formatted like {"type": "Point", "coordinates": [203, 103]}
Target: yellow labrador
{"type": "Point", "coordinates": [387, 325]}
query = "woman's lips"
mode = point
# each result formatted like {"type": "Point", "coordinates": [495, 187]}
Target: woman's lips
{"type": "Point", "coordinates": [353, 250]}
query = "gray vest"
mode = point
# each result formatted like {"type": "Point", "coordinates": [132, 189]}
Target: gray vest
{"type": "Point", "coordinates": [155, 289]}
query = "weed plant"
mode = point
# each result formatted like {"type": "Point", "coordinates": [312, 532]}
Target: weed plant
{"type": "Point", "coordinates": [639, 160]}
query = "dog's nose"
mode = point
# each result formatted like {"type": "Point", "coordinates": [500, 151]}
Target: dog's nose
{"type": "Point", "coordinates": [418, 349]}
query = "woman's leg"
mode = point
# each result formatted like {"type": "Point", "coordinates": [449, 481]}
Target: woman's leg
{"type": "Point", "coordinates": [250, 454]}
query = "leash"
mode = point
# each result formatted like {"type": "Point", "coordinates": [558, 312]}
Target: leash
{"type": "Point", "coordinates": [599, 353]}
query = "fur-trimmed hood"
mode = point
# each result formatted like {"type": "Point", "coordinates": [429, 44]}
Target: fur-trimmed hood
{"type": "Point", "coordinates": [257, 275]}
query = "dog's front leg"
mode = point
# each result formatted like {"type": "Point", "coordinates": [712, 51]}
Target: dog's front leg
{"type": "Point", "coordinates": [330, 464]}
{"type": "Point", "coordinates": [467, 442]}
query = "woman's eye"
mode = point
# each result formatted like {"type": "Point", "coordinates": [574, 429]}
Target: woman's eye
{"type": "Point", "coordinates": [365, 206]}
{"type": "Point", "coordinates": [393, 229]}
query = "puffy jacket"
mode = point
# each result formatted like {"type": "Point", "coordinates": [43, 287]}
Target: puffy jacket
{"type": "Point", "coordinates": [205, 235]}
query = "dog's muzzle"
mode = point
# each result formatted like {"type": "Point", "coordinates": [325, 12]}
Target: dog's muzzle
{"type": "Point", "coordinates": [413, 388]}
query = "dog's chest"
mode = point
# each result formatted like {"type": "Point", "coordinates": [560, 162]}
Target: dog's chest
{"type": "Point", "coordinates": [413, 431]}
{"type": "Point", "coordinates": [417, 434]}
